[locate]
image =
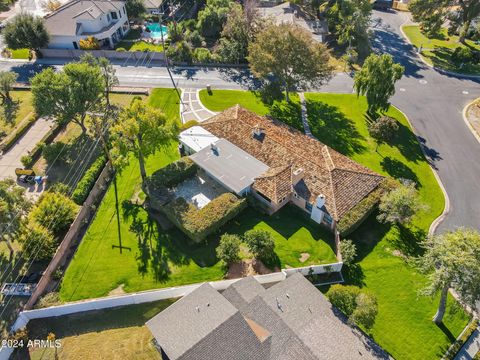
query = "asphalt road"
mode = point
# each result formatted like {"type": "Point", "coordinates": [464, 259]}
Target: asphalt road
{"type": "Point", "coordinates": [433, 102]}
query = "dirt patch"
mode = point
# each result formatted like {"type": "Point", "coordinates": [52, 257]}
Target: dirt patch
{"type": "Point", "coordinates": [248, 268]}
{"type": "Point", "coordinates": [117, 291]}
{"type": "Point", "coordinates": [473, 116]}
{"type": "Point", "coordinates": [304, 257]}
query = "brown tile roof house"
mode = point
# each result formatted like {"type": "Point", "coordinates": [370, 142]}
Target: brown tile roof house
{"type": "Point", "coordinates": [298, 164]}
{"type": "Point", "coordinates": [291, 320]}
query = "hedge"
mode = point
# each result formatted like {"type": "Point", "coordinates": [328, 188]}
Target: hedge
{"type": "Point", "coordinates": [198, 224]}
{"type": "Point", "coordinates": [86, 183]}
{"type": "Point", "coordinates": [47, 139]}
{"type": "Point", "coordinates": [18, 132]}
{"type": "Point", "coordinates": [355, 216]}
{"type": "Point", "coordinates": [173, 174]}
{"type": "Point", "coordinates": [457, 345]}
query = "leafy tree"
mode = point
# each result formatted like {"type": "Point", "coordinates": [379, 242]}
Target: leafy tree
{"type": "Point", "coordinates": [142, 130]}
{"type": "Point", "coordinates": [399, 205]}
{"type": "Point", "coordinates": [376, 80]}
{"type": "Point", "coordinates": [13, 207]}
{"type": "Point", "coordinates": [54, 211]}
{"type": "Point", "coordinates": [453, 261]}
{"type": "Point", "coordinates": [37, 241]}
{"type": "Point", "coordinates": [229, 248]}
{"type": "Point", "coordinates": [291, 55]}
{"type": "Point", "coordinates": [52, 5]}
{"type": "Point", "coordinates": [360, 307]}
{"type": "Point", "coordinates": [108, 73]}
{"type": "Point", "coordinates": [89, 43]}
{"type": "Point", "coordinates": [383, 129]}
{"type": "Point", "coordinates": [26, 31]}
{"type": "Point", "coordinates": [180, 51]}
{"type": "Point", "coordinates": [176, 32]}
{"type": "Point", "coordinates": [7, 80]}
{"type": "Point", "coordinates": [432, 14]}
{"type": "Point", "coordinates": [349, 251]}
{"type": "Point", "coordinates": [135, 8]}
{"type": "Point", "coordinates": [260, 243]}
{"type": "Point", "coordinates": [203, 55]}
{"type": "Point", "coordinates": [194, 38]}
{"type": "Point", "coordinates": [212, 17]}
{"type": "Point", "coordinates": [68, 95]}
{"type": "Point", "coordinates": [349, 21]}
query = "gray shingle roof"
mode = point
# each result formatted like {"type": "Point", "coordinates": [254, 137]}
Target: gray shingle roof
{"type": "Point", "coordinates": [288, 321]}
{"type": "Point", "coordinates": [63, 21]}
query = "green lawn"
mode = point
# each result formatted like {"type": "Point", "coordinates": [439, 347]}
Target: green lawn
{"type": "Point", "coordinates": [403, 326]}
{"type": "Point", "coordinates": [138, 46]}
{"type": "Point", "coordinates": [99, 334]}
{"type": "Point", "coordinates": [10, 118]}
{"type": "Point", "coordinates": [438, 50]}
{"type": "Point", "coordinates": [20, 53]}
{"type": "Point", "coordinates": [294, 233]}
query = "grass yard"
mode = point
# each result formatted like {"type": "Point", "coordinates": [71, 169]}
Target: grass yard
{"type": "Point", "coordinates": [438, 50]}
{"type": "Point", "coordinates": [403, 326]}
{"type": "Point", "coordinates": [118, 333]}
{"type": "Point", "coordinates": [20, 53]}
{"type": "Point", "coordinates": [294, 233]}
{"type": "Point", "coordinates": [140, 45]}
{"type": "Point", "coordinates": [10, 118]}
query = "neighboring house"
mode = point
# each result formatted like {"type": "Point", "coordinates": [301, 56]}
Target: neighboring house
{"type": "Point", "coordinates": [105, 20]}
{"type": "Point", "coordinates": [251, 154]}
{"type": "Point", "coordinates": [292, 14]}
{"type": "Point", "coordinates": [35, 7]}
{"type": "Point", "coordinates": [153, 6]}
{"type": "Point", "coordinates": [291, 320]}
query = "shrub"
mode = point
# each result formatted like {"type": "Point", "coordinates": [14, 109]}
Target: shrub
{"type": "Point", "coordinates": [229, 248]}
{"type": "Point", "coordinates": [260, 243]}
{"type": "Point", "coordinates": [173, 174]}
{"type": "Point", "coordinates": [180, 52]}
{"type": "Point", "coordinates": [360, 307]}
{"type": "Point", "coordinates": [355, 216]}
{"type": "Point", "coordinates": [27, 161]}
{"type": "Point", "coordinates": [85, 185]}
{"type": "Point", "coordinates": [121, 49]}
{"type": "Point", "coordinates": [198, 224]}
{"type": "Point", "coordinates": [54, 211]}
{"type": "Point", "coordinates": [202, 55]}
{"type": "Point", "coordinates": [49, 299]}
{"type": "Point", "coordinates": [462, 54]}
{"type": "Point", "coordinates": [59, 188]}
{"type": "Point", "coordinates": [175, 31]}
{"type": "Point", "coordinates": [37, 241]}
{"type": "Point", "coordinates": [20, 130]}
{"type": "Point", "coordinates": [194, 38]}
{"type": "Point", "coordinates": [57, 151]}
{"type": "Point", "coordinates": [383, 129]}
{"type": "Point", "coordinates": [89, 43]}
{"type": "Point", "coordinates": [349, 251]}
{"type": "Point", "coordinates": [189, 124]}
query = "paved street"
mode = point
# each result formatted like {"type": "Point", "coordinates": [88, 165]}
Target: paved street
{"type": "Point", "coordinates": [433, 102]}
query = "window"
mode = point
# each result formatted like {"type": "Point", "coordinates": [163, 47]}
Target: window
{"type": "Point", "coordinates": [327, 219]}
{"type": "Point", "coordinates": [308, 206]}
{"type": "Point", "coordinates": [119, 13]}
{"type": "Point", "coordinates": [124, 11]}
{"type": "Point", "coordinates": [108, 17]}
{"type": "Point", "coordinates": [114, 15]}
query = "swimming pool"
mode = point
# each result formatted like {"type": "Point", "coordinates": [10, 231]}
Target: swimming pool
{"type": "Point", "coordinates": [156, 31]}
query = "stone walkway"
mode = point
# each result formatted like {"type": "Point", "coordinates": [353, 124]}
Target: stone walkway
{"type": "Point", "coordinates": [192, 108]}
{"type": "Point", "coordinates": [306, 126]}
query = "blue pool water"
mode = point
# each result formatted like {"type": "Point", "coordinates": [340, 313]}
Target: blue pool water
{"type": "Point", "coordinates": [156, 31]}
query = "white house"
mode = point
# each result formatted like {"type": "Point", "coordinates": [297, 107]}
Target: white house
{"type": "Point", "coordinates": [105, 20]}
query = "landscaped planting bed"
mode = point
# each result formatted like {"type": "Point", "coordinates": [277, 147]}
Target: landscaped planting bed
{"type": "Point", "coordinates": [173, 173]}
{"type": "Point", "coordinates": [197, 224]}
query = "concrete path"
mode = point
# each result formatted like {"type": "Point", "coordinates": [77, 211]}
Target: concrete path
{"type": "Point", "coordinates": [192, 108]}
{"type": "Point", "coordinates": [470, 348]}
{"type": "Point", "coordinates": [306, 126]}
{"type": "Point", "coordinates": [11, 159]}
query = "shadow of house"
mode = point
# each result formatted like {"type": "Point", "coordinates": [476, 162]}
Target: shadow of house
{"type": "Point", "coordinates": [333, 128]}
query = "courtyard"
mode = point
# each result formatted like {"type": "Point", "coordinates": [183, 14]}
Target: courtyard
{"type": "Point", "coordinates": [199, 190]}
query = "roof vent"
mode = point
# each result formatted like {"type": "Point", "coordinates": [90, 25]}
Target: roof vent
{"type": "Point", "coordinates": [287, 295]}
{"type": "Point", "coordinates": [258, 132]}
{"type": "Point", "coordinates": [279, 306]}
{"type": "Point", "coordinates": [214, 148]}
{"type": "Point", "coordinates": [197, 308]}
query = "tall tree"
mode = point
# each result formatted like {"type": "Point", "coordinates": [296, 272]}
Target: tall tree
{"type": "Point", "coordinates": [433, 13]}
{"type": "Point", "coordinates": [108, 73]}
{"type": "Point", "coordinates": [135, 8]}
{"type": "Point", "coordinates": [228, 250]}
{"type": "Point", "coordinates": [7, 80]}
{"type": "Point", "coordinates": [141, 131]}
{"type": "Point", "coordinates": [453, 261]}
{"type": "Point", "coordinates": [349, 20]}
{"type": "Point", "coordinates": [376, 80]}
{"type": "Point", "coordinates": [26, 31]}
{"type": "Point", "coordinates": [68, 95]}
{"type": "Point", "coordinates": [13, 207]}
{"type": "Point", "coordinates": [212, 17]}
{"type": "Point", "coordinates": [291, 55]}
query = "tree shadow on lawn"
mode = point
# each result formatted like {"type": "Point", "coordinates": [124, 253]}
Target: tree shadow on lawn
{"type": "Point", "coordinates": [408, 144]}
{"type": "Point", "coordinates": [289, 113]}
{"type": "Point", "coordinates": [158, 248]}
{"type": "Point", "coordinates": [407, 240]}
{"type": "Point", "coordinates": [333, 128]}
{"type": "Point", "coordinates": [399, 170]}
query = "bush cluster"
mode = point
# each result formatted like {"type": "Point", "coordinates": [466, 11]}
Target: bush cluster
{"type": "Point", "coordinates": [85, 185]}
{"type": "Point", "coordinates": [355, 216]}
{"type": "Point", "coordinates": [198, 224]}
{"type": "Point", "coordinates": [463, 54]}
{"type": "Point", "coordinates": [173, 174]}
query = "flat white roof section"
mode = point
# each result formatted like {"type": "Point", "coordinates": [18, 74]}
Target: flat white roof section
{"type": "Point", "coordinates": [197, 138]}
{"type": "Point", "coordinates": [229, 165]}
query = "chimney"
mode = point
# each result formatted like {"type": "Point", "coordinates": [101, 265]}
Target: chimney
{"type": "Point", "coordinates": [320, 201]}
{"type": "Point", "coordinates": [297, 175]}
{"type": "Point", "coordinates": [258, 132]}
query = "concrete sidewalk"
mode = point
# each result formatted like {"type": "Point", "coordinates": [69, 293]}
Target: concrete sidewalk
{"type": "Point", "coordinates": [10, 160]}
{"type": "Point", "coordinates": [470, 348]}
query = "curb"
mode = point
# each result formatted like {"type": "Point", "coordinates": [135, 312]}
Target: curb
{"type": "Point", "coordinates": [446, 209]}
{"type": "Point", "coordinates": [465, 119]}
{"type": "Point", "coordinates": [443, 71]}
